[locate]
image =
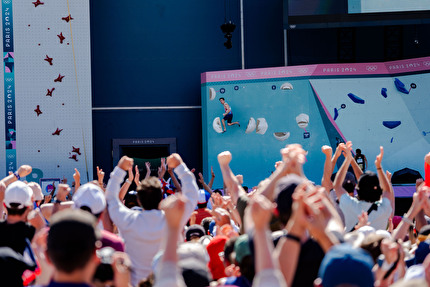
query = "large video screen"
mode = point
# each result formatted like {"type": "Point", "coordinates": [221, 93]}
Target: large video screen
{"type": "Point", "coordinates": [378, 6]}
{"type": "Point", "coordinates": [349, 13]}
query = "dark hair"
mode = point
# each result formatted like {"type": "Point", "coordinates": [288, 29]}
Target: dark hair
{"type": "Point", "coordinates": [149, 193]}
{"type": "Point", "coordinates": [218, 191]}
{"type": "Point", "coordinates": [86, 208]}
{"type": "Point", "coordinates": [205, 224]}
{"type": "Point", "coordinates": [14, 210]}
{"type": "Point", "coordinates": [368, 188]}
{"type": "Point", "coordinates": [358, 151]}
{"type": "Point", "coordinates": [228, 250]}
{"type": "Point", "coordinates": [221, 99]}
{"type": "Point", "coordinates": [130, 200]}
{"type": "Point", "coordinates": [247, 268]}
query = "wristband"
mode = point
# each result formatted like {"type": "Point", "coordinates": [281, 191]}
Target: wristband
{"type": "Point", "coordinates": [128, 181]}
{"type": "Point", "coordinates": [293, 237]}
{"type": "Point", "coordinates": [16, 174]}
{"type": "Point", "coordinates": [407, 220]}
{"type": "Point", "coordinates": [57, 201]}
{"type": "Point", "coordinates": [379, 168]}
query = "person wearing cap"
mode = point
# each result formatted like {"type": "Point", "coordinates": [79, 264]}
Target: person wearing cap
{"type": "Point", "coordinates": [194, 232]}
{"type": "Point", "coordinates": [90, 197]}
{"type": "Point", "coordinates": [71, 249]}
{"type": "Point", "coordinates": [143, 231]}
{"type": "Point", "coordinates": [346, 266]}
{"type": "Point", "coordinates": [370, 188]}
{"type": "Point", "coordinates": [16, 231]}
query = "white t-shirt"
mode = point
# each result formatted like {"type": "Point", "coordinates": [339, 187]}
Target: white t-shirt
{"type": "Point", "coordinates": [352, 208]}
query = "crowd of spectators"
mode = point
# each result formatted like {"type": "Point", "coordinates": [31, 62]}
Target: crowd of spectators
{"type": "Point", "coordinates": [173, 230]}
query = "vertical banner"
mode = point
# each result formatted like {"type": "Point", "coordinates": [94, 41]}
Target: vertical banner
{"type": "Point", "coordinates": [9, 85]}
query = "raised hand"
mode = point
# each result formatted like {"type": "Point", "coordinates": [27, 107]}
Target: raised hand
{"type": "Point", "coordinates": [174, 160]}
{"type": "Point", "coordinates": [63, 191]}
{"type": "Point", "coordinates": [100, 175]}
{"type": "Point", "coordinates": [224, 158]}
{"type": "Point", "coordinates": [327, 150]}
{"type": "Point", "coordinates": [24, 170]}
{"type": "Point", "coordinates": [137, 173]}
{"type": "Point", "coordinates": [379, 157]}
{"type": "Point", "coordinates": [125, 163]}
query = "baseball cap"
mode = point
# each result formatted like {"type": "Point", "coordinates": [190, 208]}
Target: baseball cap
{"type": "Point", "coordinates": [344, 264]}
{"type": "Point", "coordinates": [91, 196]}
{"type": "Point", "coordinates": [241, 247]}
{"type": "Point", "coordinates": [422, 251]}
{"type": "Point", "coordinates": [216, 254]}
{"type": "Point", "coordinates": [18, 193]}
{"type": "Point", "coordinates": [72, 230]}
{"type": "Point", "coordinates": [194, 230]}
{"type": "Point", "coordinates": [37, 191]}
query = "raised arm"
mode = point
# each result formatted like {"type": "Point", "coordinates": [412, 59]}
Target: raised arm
{"type": "Point", "coordinates": [22, 171]}
{"type": "Point", "coordinates": [293, 158]}
{"type": "Point", "coordinates": [383, 180]}
{"type": "Point", "coordinates": [167, 273]}
{"type": "Point", "coordinates": [357, 170]}
{"type": "Point", "coordinates": [211, 181]}
{"type": "Point", "coordinates": [203, 183]}
{"type": "Point", "coordinates": [162, 168]}
{"type": "Point", "coordinates": [189, 185]}
{"type": "Point", "coordinates": [77, 178]}
{"type": "Point", "coordinates": [126, 185]}
{"type": "Point", "coordinates": [266, 268]}
{"type": "Point", "coordinates": [174, 179]}
{"type": "Point", "coordinates": [336, 156]}
{"type": "Point", "coordinates": [119, 214]}
{"type": "Point", "coordinates": [326, 179]}
{"type": "Point", "coordinates": [340, 176]}
{"type": "Point", "coordinates": [230, 180]}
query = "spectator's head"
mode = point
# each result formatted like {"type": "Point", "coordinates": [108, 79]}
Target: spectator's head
{"type": "Point", "coordinates": [368, 188]}
{"type": "Point", "coordinates": [205, 224]}
{"type": "Point", "coordinates": [71, 243]}
{"type": "Point", "coordinates": [344, 265]}
{"type": "Point", "coordinates": [358, 151]}
{"type": "Point", "coordinates": [194, 232]}
{"type": "Point", "coordinates": [202, 201]}
{"type": "Point", "coordinates": [18, 199]}
{"type": "Point", "coordinates": [372, 244]}
{"type": "Point", "coordinates": [422, 251]}
{"type": "Point", "coordinates": [244, 258]}
{"type": "Point", "coordinates": [229, 251]}
{"type": "Point", "coordinates": [130, 199]}
{"type": "Point", "coordinates": [192, 261]}
{"type": "Point", "coordinates": [12, 265]}
{"type": "Point", "coordinates": [216, 256]}
{"type": "Point", "coordinates": [149, 193]}
{"type": "Point", "coordinates": [91, 198]}
{"type": "Point", "coordinates": [285, 189]}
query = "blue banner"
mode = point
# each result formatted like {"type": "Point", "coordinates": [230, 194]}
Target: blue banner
{"type": "Point", "coordinates": [9, 86]}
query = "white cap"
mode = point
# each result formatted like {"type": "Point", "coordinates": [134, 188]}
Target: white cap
{"type": "Point", "coordinates": [20, 193]}
{"type": "Point", "coordinates": [37, 191]}
{"type": "Point", "coordinates": [91, 196]}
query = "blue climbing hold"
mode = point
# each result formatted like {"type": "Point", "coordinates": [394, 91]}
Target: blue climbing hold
{"type": "Point", "coordinates": [400, 86]}
{"type": "Point", "coordinates": [391, 124]}
{"type": "Point", "coordinates": [384, 92]}
{"type": "Point", "coordinates": [355, 98]}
